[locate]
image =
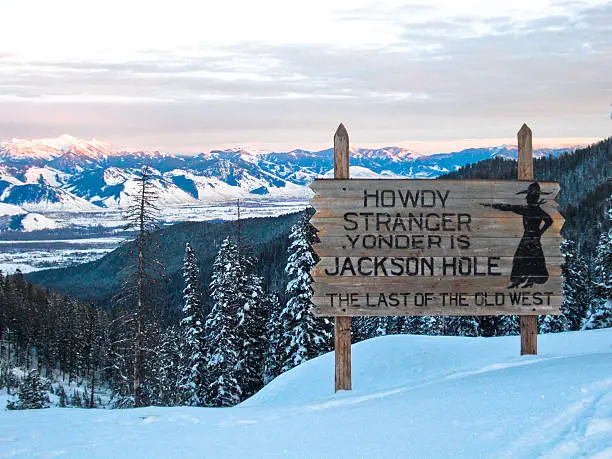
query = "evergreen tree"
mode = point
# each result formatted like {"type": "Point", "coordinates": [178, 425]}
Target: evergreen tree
{"type": "Point", "coordinates": [461, 326]}
{"type": "Point", "coordinates": [304, 336]}
{"type": "Point", "coordinates": [192, 363]}
{"type": "Point", "coordinates": [251, 330]}
{"type": "Point", "coordinates": [498, 325]}
{"type": "Point", "coordinates": [166, 371]}
{"type": "Point", "coordinates": [601, 308]}
{"type": "Point", "coordinates": [222, 343]}
{"type": "Point", "coordinates": [142, 216]}
{"type": "Point", "coordinates": [411, 325]}
{"type": "Point", "coordinates": [31, 394]}
{"type": "Point", "coordinates": [272, 365]}
{"type": "Point", "coordinates": [576, 290]}
{"type": "Point", "coordinates": [431, 325]}
{"type": "Point", "coordinates": [362, 328]}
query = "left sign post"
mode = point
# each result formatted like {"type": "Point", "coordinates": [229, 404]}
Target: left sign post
{"type": "Point", "coordinates": [342, 324]}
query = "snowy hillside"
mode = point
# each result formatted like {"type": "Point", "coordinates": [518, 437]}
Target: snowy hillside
{"type": "Point", "coordinates": [414, 396]}
{"type": "Point", "coordinates": [72, 175]}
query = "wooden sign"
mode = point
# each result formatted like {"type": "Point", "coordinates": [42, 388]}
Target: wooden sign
{"type": "Point", "coordinates": [437, 247]}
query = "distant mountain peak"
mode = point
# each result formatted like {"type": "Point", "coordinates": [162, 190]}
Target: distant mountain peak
{"type": "Point", "coordinates": [49, 148]}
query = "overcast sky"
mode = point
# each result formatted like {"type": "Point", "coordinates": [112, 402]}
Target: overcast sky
{"type": "Point", "coordinates": [181, 75]}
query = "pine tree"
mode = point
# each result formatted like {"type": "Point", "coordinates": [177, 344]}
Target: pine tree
{"type": "Point", "coordinates": [411, 325]}
{"type": "Point", "coordinates": [222, 343]}
{"type": "Point", "coordinates": [576, 286]}
{"type": "Point", "coordinates": [576, 291]}
{"type": "Point", "coordinates": [251, 330]}
{"type": "Point", "coordinates": [601, 308]}
{"type": "Point", "coordinates": [304, 336]}
{"type": "Point", "coordinates": [166, 371]}
{"type": "Point", "coordinates": [142, 216]}
{"type": "Point", "coordinates": [192, 364]}
{"type": "Point", "coordinates": [31, 394]}
{"type": "Point", "coordinates": [431, 325]}
{"type": "Point", "coordinates": [461, 326]}
{"type": "Point", "coordinates": [272, 365]}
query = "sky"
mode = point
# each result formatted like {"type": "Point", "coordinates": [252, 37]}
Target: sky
{"type": "Point", "coordinates": [189, 76]}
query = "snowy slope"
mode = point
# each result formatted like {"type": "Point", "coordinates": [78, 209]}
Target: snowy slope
{"type": "Point", "coordinates": [33, 222]}
{"type": "Point", "coordinates": [414, 396]}
{"type": "Point", "coordinates": [10, 209]}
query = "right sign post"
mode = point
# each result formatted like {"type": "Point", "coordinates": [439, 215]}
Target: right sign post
{"type": "Point", "coordinates": [437, 247]}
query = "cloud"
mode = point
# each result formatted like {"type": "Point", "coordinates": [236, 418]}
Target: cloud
{"type": "Point", "coordinates": [441, 78]}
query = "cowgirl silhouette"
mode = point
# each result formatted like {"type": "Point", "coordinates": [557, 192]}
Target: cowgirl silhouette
{"type": "Point", "coordinates": [529, 264]}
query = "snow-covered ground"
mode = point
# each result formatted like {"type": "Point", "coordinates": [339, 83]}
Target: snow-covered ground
{"type": "Point", "coordinates": [414, 396]}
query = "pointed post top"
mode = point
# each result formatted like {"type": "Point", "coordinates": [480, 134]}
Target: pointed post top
{"type": "Point", "coordinates": [525, 153]}
{"type": "Point", "coordinates": [341, 153]}
{"type": "Point", "coordinates": [341, 131]}
{"type": "Point", "coordinates": [524, 129]}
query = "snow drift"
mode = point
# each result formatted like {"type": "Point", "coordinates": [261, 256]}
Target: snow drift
{"type": "Point", "coordinates": [414, 396]}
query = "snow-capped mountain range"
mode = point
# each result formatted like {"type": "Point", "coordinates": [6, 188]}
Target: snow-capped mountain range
{"type": "Point", "coordinates": [69, 174]}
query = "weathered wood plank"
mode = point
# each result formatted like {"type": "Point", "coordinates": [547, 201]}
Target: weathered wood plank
{"type": "Point", "coordinates": [403, 304]}
{"type": "Point", "coordinates": [370, 245]}
{"type": "Point", "coordinates": [337, 207]}
{"type": "Point", "coordinates": [484, 227]}
{"type": "Point", "coordinates": [467, 285]}
{"type": "Point", "coordinates": [419, 267]}
{"type": "Point", "coordinates": [354, 188]}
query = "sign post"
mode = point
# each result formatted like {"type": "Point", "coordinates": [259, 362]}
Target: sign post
{"type": "Point", "coordinates": [529, 323]}
{"type": "Point", "coordinates": [342, 324]}
{"type": "Point", "coordinates": [402, 247]}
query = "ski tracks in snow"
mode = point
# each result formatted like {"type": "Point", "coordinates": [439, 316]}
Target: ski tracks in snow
{"type": "Point", "coordinates": [582, 429]}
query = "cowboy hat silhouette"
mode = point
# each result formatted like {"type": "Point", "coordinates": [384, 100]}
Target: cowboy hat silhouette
{"type": "Point", "coordinates": [533, 192]}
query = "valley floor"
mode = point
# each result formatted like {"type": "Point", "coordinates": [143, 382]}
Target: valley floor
{"type": "Point", "coordinates": [414, 396]}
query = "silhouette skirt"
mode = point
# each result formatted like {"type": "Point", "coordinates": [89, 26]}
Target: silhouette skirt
{"type": "Point", "coordinates": [529, 262]}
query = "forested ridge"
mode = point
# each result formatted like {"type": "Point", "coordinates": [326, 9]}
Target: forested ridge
{"type": "Point", "coordinates": [99, 281]}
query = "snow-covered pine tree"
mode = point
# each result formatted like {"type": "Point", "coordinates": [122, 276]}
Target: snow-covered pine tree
{"type": "Point", "coordinates": [304, 336]}
{"type": "Point", "coordinates": [431, 325]}
{"type": "Point", "coordinates": [601, 307]}
{"type": "Point", "coordinates": [411, 325]}
{"type": "Point", "coordinates": [31, 394]}
{"type": "Point", "coordinates": [119, 352]}
{"type": "Point", "coordinates": [166, 371]}
{"type": "Point", "coordinates": [192, 367]}
{"type": "Point", "coordinates": [251, 330]}
{"type": "Point", "coordinates": [576, 291]}
{"type": "Point", "coordinates": [576, 286]}
{"type": "Point", "coordinates": [498, 325]}
{"type": "Point", "coordinates": [362, 328]}
{"type": "Point", "coordinates": [222, 343]}
{"type": "Point", "coordinates": [272, 365]}
{"type": "Point", "coordinates": [461, 326]}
